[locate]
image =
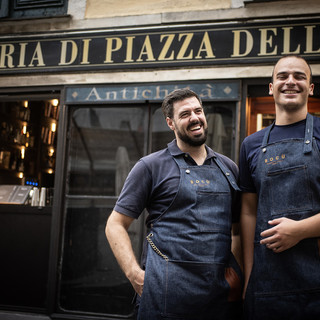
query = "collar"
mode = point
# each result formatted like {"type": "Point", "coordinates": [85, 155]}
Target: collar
{"type": "Point", "coordinates": [175, 151]}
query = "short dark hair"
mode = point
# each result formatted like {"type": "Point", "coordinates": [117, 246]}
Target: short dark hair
{"type": "Point", "coordinates": [292, 56]}
{"type": "Point", "coordinates": [174, 96]}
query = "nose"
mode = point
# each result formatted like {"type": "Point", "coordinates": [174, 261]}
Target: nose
{"type": "Point", "coordinates": [193, 117]}
{"type": "Point", "coordinates": [290, 79]}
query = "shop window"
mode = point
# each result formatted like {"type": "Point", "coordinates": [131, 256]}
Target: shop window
{"type": "Point", "coordinates": [104, 144]}
{"type": "Point", "coordinates": [261, 112]}
{"type": "Point", "coordinates": [28, 137]}
{"type": "Point", "coordinates": [32, 8]}
{"type": "Point", "coordinates": [221, 128]}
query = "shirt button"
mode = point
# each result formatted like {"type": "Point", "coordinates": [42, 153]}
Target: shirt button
{"type": "Point", "coordinates": [307, 141]}
{"type": "Point", "coordinates": [227, 174]}
{"type": "Point", "coordinates": [264, 149]}
{"type": "Point", "coordinates": [187, 171]}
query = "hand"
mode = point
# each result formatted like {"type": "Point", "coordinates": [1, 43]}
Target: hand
{"type": "Point", "coordinates": [138, 281]}
{"type": "Point", "coordinates": [284, 235]}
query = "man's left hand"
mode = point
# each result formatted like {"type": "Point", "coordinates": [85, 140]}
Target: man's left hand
{"type": "Point", "coordinates": [284, 234]}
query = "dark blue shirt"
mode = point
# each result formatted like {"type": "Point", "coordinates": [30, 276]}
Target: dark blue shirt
{"type": "Point", "coordinates": [154, 181]}
{"type": "Point", "coordinates": [250, 148]}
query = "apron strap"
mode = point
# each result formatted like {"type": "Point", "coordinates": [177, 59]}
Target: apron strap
{"type": "Point", "coordinates": [227, 173]}
{"type": "Point", "coordinates": [266, 135]}
{"type": "Point", "coordinates": [308, 134]}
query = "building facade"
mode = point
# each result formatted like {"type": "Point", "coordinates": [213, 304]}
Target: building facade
{"type": "Point", "coordinates": [81, 86]}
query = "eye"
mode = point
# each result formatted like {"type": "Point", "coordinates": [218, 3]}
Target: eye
{"type": "Point", "coordinates": [300, 76]}
{"type": "Point", "coordinates": [184, 114]}
{"type": "Point", "coordinates": [282, 76]}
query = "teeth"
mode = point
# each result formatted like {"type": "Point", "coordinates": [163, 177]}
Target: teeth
{"type": "Point", "coordinates": [195, 128]}
{"type": "Point", "coordinates": [290, 92]}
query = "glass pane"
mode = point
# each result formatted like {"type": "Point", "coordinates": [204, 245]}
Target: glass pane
{"type": "Point", "coordinates": [221, 127]}
{"type": "Point", "coordinates": [161, 133]}
{"type": "Point", "coordinates": [104, 144]}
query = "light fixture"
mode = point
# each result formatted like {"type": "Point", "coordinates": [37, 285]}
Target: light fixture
{"type": "Point", "coordinates": [20, 174]}
{"type": "Point", "coordinates": [25, 103]}
{"type": "Point", "coordinates": [55, 102]}
{"type": "Point", "coordinates": [51, 152]}
{"type": "Point", "coordinates": [23, 152]}
{"type": "Point", "coordinates": [53, 127]}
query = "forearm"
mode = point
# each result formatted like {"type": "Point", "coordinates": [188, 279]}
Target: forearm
{"type": "Point", "coordinates": [310, 227]}
{"type": "Point", "coordinates": [120, 244]}
{"type": "Point", "coordinates": [236, 244]}
{"type": "Point", "coordinates": [247, 226]}
{"type": "Point", "coordinates": [121, 247]}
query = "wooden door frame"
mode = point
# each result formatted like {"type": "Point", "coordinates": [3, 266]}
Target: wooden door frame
{"type": "Point", "coordinates": [265, 105]}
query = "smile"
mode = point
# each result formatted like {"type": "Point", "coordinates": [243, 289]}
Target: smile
{"type": "Point", "coordinates": [290, 91]}
{"type": "Point", "coordinates": [197, 127]}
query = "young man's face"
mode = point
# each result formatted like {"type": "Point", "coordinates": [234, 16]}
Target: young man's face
{"type": "Point", "coordinates": [189, 122]}
{"type": "Point", "coordinates": [291, 84]}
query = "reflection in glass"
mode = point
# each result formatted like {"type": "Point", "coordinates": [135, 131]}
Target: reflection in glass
{"type": "Point", "coordinates": [104, 145]}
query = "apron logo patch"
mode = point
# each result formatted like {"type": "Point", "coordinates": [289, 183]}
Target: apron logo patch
{"type": "Point", "coordinates": [200, 183]}
{"type": "Point", "coordinates": [274, 160]}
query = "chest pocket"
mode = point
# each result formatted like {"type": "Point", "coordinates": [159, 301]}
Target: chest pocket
{"type": "Point", "coordinates": [214, 210]}
{"type": "Point", "coordinates": [289, 191]}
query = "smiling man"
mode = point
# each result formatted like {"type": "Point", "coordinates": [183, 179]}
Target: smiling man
{"type": "Point", "coordinates": [280, 218]}
{"type": "Point", "coordinates": [190, 192]}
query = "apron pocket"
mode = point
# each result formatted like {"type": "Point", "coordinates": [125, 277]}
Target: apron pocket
{"type": "Point", "coordinates": [194, 290]}
{"type": "Point", "coordinates": [289, 191]}
{"type": "Point", "coordinates": [214, 211]}
{"type": "Point", "coordinates": [288, 305]}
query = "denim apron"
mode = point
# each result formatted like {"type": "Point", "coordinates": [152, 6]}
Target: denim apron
{"type": "Point", "coordinates": [286, 285]}
{"type": "Point", "coordinates": [189, 255]}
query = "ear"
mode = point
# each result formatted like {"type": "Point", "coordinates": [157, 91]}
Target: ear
{"type": "Point", "coordinates": [311, 88]}
{"type": "Point", "coordinates": [170, 123]}
{"type": "Point", "coordinates": [270, 89]}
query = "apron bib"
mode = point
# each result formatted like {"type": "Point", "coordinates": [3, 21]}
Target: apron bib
{"type": "Point", "coordinates": [189, 251]}
{"type": "Point", "coordinates": [286, 285]}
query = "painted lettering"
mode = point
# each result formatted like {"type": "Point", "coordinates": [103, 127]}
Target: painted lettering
{"type": "Point", "coordinates": [146, 50]}
{"type": "Point", "coordinates": [205, 47]}
{"type": "Point", "coordinates": [185, 45]}
{"type": "Point", "coordinates": [113, 44]}
{"type": "Point", "coordinates": [85, 51]}
{"type": "Point", "coordinates": [287, 42]}
{"type": "Point", "coordinates": [129, 49]}
{"type": "Point", "coordinates": [93, 95]}
{"type": "Point", "coordinates": [248, 40]}
{"type": "Point", "coordinates": [22, 55]}
{"type": "Point", "coordinates": [37, 56]}
{"type": "Point", "coordinates": [64, 49]}
{"type": "Point", "coordinates": [163, 54]}
{"type": "Point", "coordinates": [265, 42]}
{"type": "Point", "coordinates": [6, 59]}
{"type": "Point", "coordinates": [309, 40]}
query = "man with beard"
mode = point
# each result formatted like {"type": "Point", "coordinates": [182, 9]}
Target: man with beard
{"type": "Point", "coordinates": [280, 220]}
{"type": "Point", "coordinates": [190, 192]}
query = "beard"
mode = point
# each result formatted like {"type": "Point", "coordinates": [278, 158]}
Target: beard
{"type": "Point", "coordinates": [193, 141]}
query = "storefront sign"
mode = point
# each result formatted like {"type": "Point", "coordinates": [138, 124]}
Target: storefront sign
{"type": "Point", "coordinates": [160, 47]}
{"type": "Point", "coordinates": [223, 91]}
